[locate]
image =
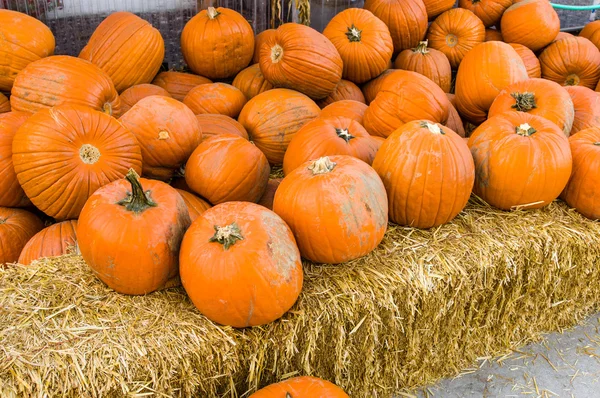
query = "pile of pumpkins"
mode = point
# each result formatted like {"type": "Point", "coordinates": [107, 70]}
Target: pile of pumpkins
{"type": "Point", "coordinates": [398, 111]}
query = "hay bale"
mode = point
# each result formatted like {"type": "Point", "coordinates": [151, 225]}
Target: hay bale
{"type": "Point", "coordinates": [424, 305]}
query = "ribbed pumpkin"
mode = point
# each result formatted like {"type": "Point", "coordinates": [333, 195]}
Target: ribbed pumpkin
{"type": "Point", "coordinates": [4, 104]}
{"type": "Point", "coordinates": [372, 88]}
{"type": "Point", "coordinates": [167, 132]}
{"type": "Point", "coordinates": [258, 42]}
{"type": "Point", "coordinates": [217, 43]}
{"type": "Point", "coordinates": [537, 97]}
{"type": "Point", "coordinates": [63, 79]}
{"type": "Point", "coordinates": [227, 168]}
{"type": "Point", "coordinates": [571, 62]}
{"type": "Point", "coordinates": [134, 94]}
{"type": "Point", "coordinates": [428, 174]}
{"type": "Point", "coordinates": [327, 136]}
{"type": "Point", "coordinates": [129, 233]}
{"type": "Point", "coordinates": [521, 161]}
{"type": "Point", "coordinates": [267, 199]}
{"type": "Point", "coordinates": [454, 121]}
{"type": "Point", "coordinates": [455, 33]}
{"type": "Point", "coordinates": [300, 58]}
{"type": "Point", "coordinates": [493, 35]}
{"type": "Point", "coordinates": [531, 62]}
{"type": "Point", "coordinates": [251, 81]}
{"type": "Point", "coordinates": [219, 98]}
{"type": "Point", "coordinates": [17, 226]}
{"type": "Point", "coordinates": [363, 41]}
{"type": "Point", "coordinates": [428, 62]}
{"type": "Point", "coordinates": [179, 84]}
{"type": "Point", "coordinates": [563, 35]}
{"type": "Point", "coordinates": [52, 241]}
{"type": "Point", "coordinates": [345, 90]}
{"type": "Point", "coordinates": [591, 31]}
{"type": "Point", "coordinates": [406, 20]}
{"type": "Point", "coordinates": [11, 193]}
{"type": "Point", "coordinates": [532, 23]}
{"type": "Point", "coordinates": [486, 70]}
{"type": "Point", "coordinates": [211, 125]}
{"type": "Point", "coordinates": [336, 206]}
{"type": "Point", "coordinates": [346, 108]}
{"type": "Point", "coordinates": [273, 117]}
{"type": "Point", "coordinates": [436, 7]}
{"type": "Point", "coordinates": [24, 40]}
{"type": "Point", "coordinates": [127, 48]}
{"type": "Point", "coordinates": [489, 11]}
{"type": "Point", "coordinates": [63, 154]}
{"type": "Point", "coordinates": [195, 205]}
{"type": "Point", "coordinates": [240, 265]}
{"type": "Point", "coordinates": [301, 387]}
{"type": "Point", "coordinates": [587, 108]}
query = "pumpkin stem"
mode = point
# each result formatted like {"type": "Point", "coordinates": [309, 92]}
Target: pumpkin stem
{"type": "Point", "coordinates": [451, 40]}
{"type": "Point", "coordinates": [107, 108]}
{"type": "Point", "coordinates": [276, 53]}
{"type": "Point", "coordinates": [572, 80]}
{"type": "Point", "coordinates": [597, 143]}
{"type": "Point", "coordinates": [353, 33]}
{"type": "Point", "coordinates": [525, 130]}
{"type": "Point", "coordinates": [212, 12]}
{"type": "Point", "coordinates": [344, 134]}
{"type": "Point", "coordinates": [433, 128]}
{"type": "Point", "coordinates": [422, 47]}
{"type": "Point", "coordinates": [137, 200]}
{"type": "Point", "coordinates": [524, 101]}
{"type": "Point", "coordinates": [227, 236]}
{"type": "Point", "coordinates": [163, 135]}
{"type": "Point", "coordinates": [89, 154]}
{"type": "Point", "coordinates": [288, 395]}
{"type": "Point", "coordinates": [322, 166]}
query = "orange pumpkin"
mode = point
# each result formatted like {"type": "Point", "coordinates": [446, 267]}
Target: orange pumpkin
{"type": "Point", "coordinates": [486, 70]}
{"type": "Point", "coordinates": [258, 42]}
{"type": "Point", "coordinates": [167, 132]}
{"type": "Point", "coordinates": [11, 193]}
{"type": "Point", "coordinates": [428, 62]}
{"type": "Point", "coordinates": [416, 163]}
{"type": "Point", "coordinates": [62, 155]}
{"type": "Point", "coordinates": [537, 97]}
{"type": "Point", "coordinates": [436, 7]}
{"type": "Point", "coordinates": [345, 90]}
{"type": "Point", "coordinates": [300, 58]}
{"type": "Point", "coordinates": [240, 265]}
{"type": "Point", "coordinates": [372, 88]}
{"type": "Point", "coordinates": [531, 62]}
{"type": "Point", "coordinates": [521, 161]}
{"type": "Point", "coordinates": [532, 23]}
{"type": "Point", "coordinates": [17, 226]}
{"type": "Point", "coordinates": [267, 199]}
{"type": "Point", "coordinates": [211, 125]}
{"type": "Point", "coordinates": [217, 43]}
{"type": "Point", "coordinates": [363, 41]}
{"type": "Point", "coordinates": [591, 31]}
{"type": "Point", "coordinates": [301, 387]}
{"type": "Point", "coordinates": [129, 233]}
{"type": "Point", "coordinates": [598, 87]}
{"type": "Point", "coordinates": [195, 205]}
{"type": "Point", "coordinates": [489, 11]}
{"type": "Point", "coordinates": [134, 94]}
{"type": "Point", "coordinates": [454, 122]}
{"type": "Point", "coordinates": [179, 84]}
{"type": "Point", "coordinates": [493, 35]}
{"type": "Point", "coordinates": [455, 33]}
{"type": "Point", "coordinates": [345, 108]}
{"type": "Point", "coordinates": [251, 81]}
{"type": "Point", "coordinates": [563, 35]}
{"type": "Point", "coordinates": [571, 62]}
{"type": "Point", "coordinates": [52, 241]}
{"type": "Point", "coordinates": [127, 48]}
{"type": "Point", "coordinates": [227, 168]}
{"type": "Point", "coordinates": [587, 108]}
{"type": "Point", "coordinates": [63, 79]}
{"type": "Point", "coordinates": [24, 40]}
{"type": "Point", "coordinates": [219, 98]}
{"type": "Point", "coordinates": [273, 117]}
{"type": "Point", "coordinates": [4, 104]}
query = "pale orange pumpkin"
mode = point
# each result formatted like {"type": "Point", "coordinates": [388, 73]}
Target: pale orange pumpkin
{"type": "Point", "coordinates": [345, 90]}
{"type": "Point", "coordinates": [587, 108]}
{"type": "Point", "coordinates": [179, 84]}
{"type": "Point", "coordinates": [531, 62]}
{"type": "Point", "coordinates": [532, 23]}
{"type": "Point", "coordinates": [212, 125]}
{"type": "Point", "coordinates": [591, 31]}
{"type": "Point", "coordinates": [372, 88]}
{"type": "Point", "coordinates": [216, 98]}
{"type": "Point", "coordinates": [134, 94]}
{"type": "Point", "coordinates": [489, 11]}
{"type": "Point", "coordinates": [345, 108]}
{"type": "Point", "coordinates": [251, 81]}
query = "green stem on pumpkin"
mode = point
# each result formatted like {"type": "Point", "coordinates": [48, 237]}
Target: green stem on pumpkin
{"type": "Point", "coordinates": [422, 47]}
{"type": "Point", "coordinates": [353, 33]}
{"type": "Point", "coordinates": [344, 134]}
{"type": "Point", "coordinates": [137, 200]}
{"type": "Point", "coordinates": [525, 130]}
{"type": "Point", "coordinates": [524, 101]}
{"type": "Point", "coordinates": [227, 236]}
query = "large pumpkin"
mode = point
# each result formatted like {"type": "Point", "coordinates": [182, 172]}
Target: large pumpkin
{"type": "Point", "coordinates": [63, 154]}
{"type": "Point", "coordinates": [428, 62]}
{"type": "Point", "coordinates": [17, 226]}
{"type": "Point", "coordinates": [571, 62]}
{"type": "Point", "coordinates": [127, 48]}
{"type": "Point", "coordinates": [531, 62]}
{"type": "Point", "coordinates": [273, 117]}
{"type": "Point", "coordinates": [436, 7]}
{"type": "Point", "coordinates": [251, 81]}
{"type": "Point", "coordinates": [258, 42]}
{"type": "Point", "coordinates": [591, 31]}
{"type": "Point", "coordinates": [216, 98]}
{"type": "Point", "coordinates": [217, 43]}
{"type": "Point", "coordinates": [134, 94]}
{"type": "Point", "coordinates": [345, 90]}
{"type": "Point", "coordinates": [587, 108]}
{"type": "Point", "coordinates": [129, 233]}
{"type": "Point", "coordinates": [240, 265]}
{"type": "Point", "coordinates": [521, 161]}
{"type": "Point", "coordinates": [195, 204]}
{"type": "Point", "coordinates": [532, 23]}
{"type": "Point", "coordinates": [23, 39]}
{"type": "Point", "coordinates": [63, 79]}
{"type": "Point", "coordinates": [489, 11]}
{"type": "Point", "coordinates": [345, 108]}
{"type": "Point", "coordinates": [4, 104]}
{"type": "Point", "coordinates": [301, 387]}
{"type": "Point", "coordinates": [211, 125]}
{"type": "Point", "coordinates": [336, 206]}
{"type": "Point", "coordinates": [11, 193]}
{"type": "Point", "coordinates": [52, 241]}
{"type": "Point", "coordinates": [179, 84]}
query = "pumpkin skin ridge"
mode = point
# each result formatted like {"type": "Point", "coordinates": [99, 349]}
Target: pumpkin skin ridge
{"type": "Point", "coordinates": [11, 192]}
{"type": "Point", "coordinates": [256, 85]}
{"type": "Point", "coordinates": [20, 225]}
{"type": "Point", "coordinates": [37, 247]}
{"type": "Point", "coordinates": [219, 98]}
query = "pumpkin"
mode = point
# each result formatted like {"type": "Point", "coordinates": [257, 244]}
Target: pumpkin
{"type": "Point", "coordinates": [24, 40]}
{"type": "Point", "coordinates": [267, 199]}
{"type": "Point", "coordinates": [17, 226]}
{"type": "Point", "coordinates": [211, 125]}
{"type": "Point", "coordinates": [486, 70]}
{"type": "Point", "coordinates": [195, 205]}
{"type": "Point", "coordinates": [240, 265]}
{"type": "Point", "coordinates": [258, 42]}
{"type": "Point", "coordinates": [301, 387]}
{"type": "Point", "coordinates": [219, 98]}
{"type": "Point", "coordinates": [587, 108]}
{"type": "Point", "coordinates": [428, 62]}
{"type": "Point", "coordinates": [416, 163]}
{"type": "Point", "coordinates": [406, 20]}
{"type": "Point", "coordinates": [591, 31]}
{"type": "Point", "coordinates": [167, 132]}
{"type": "Point", "coordinates": [571, 62]}
{"type": "Point", "coordinates": [436, 7]}
{"type": "Point", "coordinates": [537, 97]}
{"type": "Point", "coordinates": [52, 241]}
{"type": "Point", "coordinates": [11, 193]}
{"type": "Point", "coordinates": [273, 117]}
{"type": "Point", "coordinates": [598, 87]}
{"type": "Point", "coordinates": [489, 11]}
{"type": "Point", "coordinates": [300, 58]}
{"type": "Point", "coordinates": [62, 155]}
{"type": "Point", "coordinates": [329, 136]}
{"type": "Point", "coordinates": [61, 79]}
{"type": "Point", "coordinates": [179, 84]}
{"type": "Point", "coordinates": [127, 48]}
{"type": "Point", "coordinates": [531, 62]}
{"type": "Point", "coordinates": [336, 206]}
{"type": "Point", "coordinates": [563, 35]}
{"type": "Point", "coordinates": [129, 233]}
{"type": "Point", "coordinates": [454, 121]}
{"type": "Point", "coordinates": [251, 81]}
{"type": "Point", "coordinates": [217, 43]}
{"type": "Point", "coordinates": [4, 104]}
{"type": "Point", "coordinates": [345, 90]}
{"type": "Point", "coordinates": [521, 161]}
{"type": "Point", "coordinates": [345, 108]}
{"type": "Point", "coordinates": [493, 35]}
{"type": "Point", "coordinates": [532, 23]}
{"type": "Point", "coordinates": [227, 168]}
{"type": "Point", "coordinates": [455, 33]}
{"type": "Point", "coordinates": [134, 94]}
{"type": "Point", "coordinates": [363, 41]}
{"type": "Point", "coordinates": [372, 88]}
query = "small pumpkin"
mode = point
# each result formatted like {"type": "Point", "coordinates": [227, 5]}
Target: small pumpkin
{"type": "Point", "coordinates": [134, 94]}
{"type": "Point", "coordinates": [587, 108]}
{"type": "Point", "coordinates": [493, 35]}
{"type": "Point", "coordinates": [345, 108]}
{"type": "Point", "coordinates": [267, 199]}
{"type": "Point", "coordinates": [195, 205]}
{"type": "Point", "coordinates": [301, 387]}
{"type": "Point", "coordinates": [531, 62]}
{"type": "Point", "coordinates": [428, 62]}
{"type": "Point", "coordinates": [4, 104]}
{"type": "Point", "coordinates": [345, 90]}
{"type": "Point", "coordinates": [591, 31]}
{"type": "Point", "coordinates": [571, 62]}
{"type": "Point", "coordinates": [179, 84]}
{"type": "Point", "coordinates": [251, 81]}
{"type": "Point", "coordinates": [489, 11]}
{"type": "Point", "coordinates": [436, 7]}
{"type": "Point", "coordinates": [259, 39]}
{"type": "Point", "coordinates": [11, 193]}
{"type": "Point", "coordinates": [219, 98]}
{"type": "Point", "coordinates": [51, 241]}
{"type": "Point", "coordinates": [211, 125]}
{"type": "Point", "coordinates": [532, 23]}
{"type": "Point", "coordinates": [17, 227]}
{"type": "Point", "coordinates": [372, 88]}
